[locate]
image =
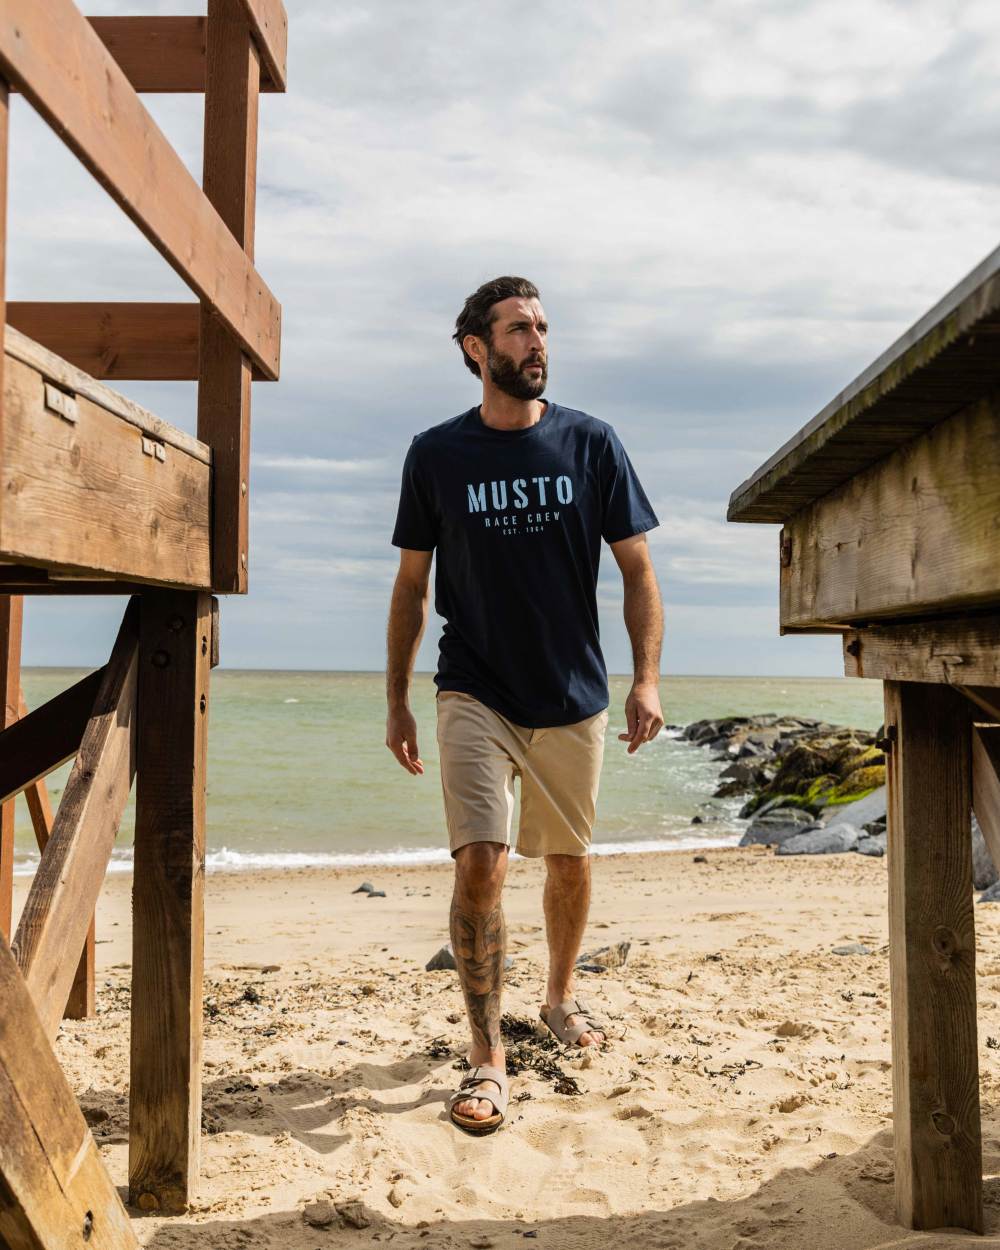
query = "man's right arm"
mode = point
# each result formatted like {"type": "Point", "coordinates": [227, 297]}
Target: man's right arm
{"type": "Point", "coordinates": [407, 618]}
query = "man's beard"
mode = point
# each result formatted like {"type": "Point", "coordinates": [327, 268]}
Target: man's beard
{"type": "Point", "coordinates": [506, 376]}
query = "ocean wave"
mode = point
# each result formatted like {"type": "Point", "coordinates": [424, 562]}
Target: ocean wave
{"type": "Point", "coordinates": [227, 860]}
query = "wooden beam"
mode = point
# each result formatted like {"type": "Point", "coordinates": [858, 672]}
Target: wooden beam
{"type": "Point", "coordinates": [82, 995]}
{"type": "Point", "coordinates": [913, 534]}
{"type": "Point", "coordinates": [79, 483]}
{"type": "Point", "coordinates": [162, 53]}
{"type": "Point", "coordinates": [64, 70]}
{"type": "Point", "coordinates": [986, 784]}
{"type": "Point", "coordinates": [269, 23]}
{"type": "Point", "coordinates": [168, 900]}
{"type": "Point", "coordinates": [230, 178]}
{"type": "Point", "coordinates": [54, 1189]}
{"type": "Point", "coordinates": [61, 901]}
{"type": "Point", "coordinates": [37, 742]}
{"type": "Point", "coordinates": [960, 651]}
{"type": "Point", "coordinates": [116, 341]}
{"type": "Point", "coordinates": [11, 615]}
{"type": "Point", "coordinates": [935, 1074]}
{"type": "Point", "coordinates": [986, 698]}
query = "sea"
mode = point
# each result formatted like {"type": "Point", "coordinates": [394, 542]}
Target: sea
{"type": "Point", "coordinates": [299, 775]}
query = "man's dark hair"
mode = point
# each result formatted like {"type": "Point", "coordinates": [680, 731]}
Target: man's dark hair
{"type": "Point", "coordinates": [477, 317]}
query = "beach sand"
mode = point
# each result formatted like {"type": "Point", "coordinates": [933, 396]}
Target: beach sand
{"type": "Point", "coordinates": [748, 1105]}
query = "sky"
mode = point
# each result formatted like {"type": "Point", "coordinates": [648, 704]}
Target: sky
{"type": "Point", "coordinates": [730, 208]}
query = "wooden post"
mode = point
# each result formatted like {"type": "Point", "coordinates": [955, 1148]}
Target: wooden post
{"type": "Point", "coordinates": [175, 655]}
{"type": "Point", "coordinates": [11, 611]}
{"type": "Point", "coordinates": [232, 84]}
{"type": "Point", "coordinates": [936, 1123]}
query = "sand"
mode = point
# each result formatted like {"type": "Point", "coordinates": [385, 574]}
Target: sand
{"type": "Point", "coordinates": [747, 1105]}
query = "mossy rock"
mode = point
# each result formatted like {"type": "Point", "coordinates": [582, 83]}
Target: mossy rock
{"type": "Point", "coordinates": [857, 784]}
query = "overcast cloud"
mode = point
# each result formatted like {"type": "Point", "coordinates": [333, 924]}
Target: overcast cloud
{"type": "Point", "coordinates": [730, 208]}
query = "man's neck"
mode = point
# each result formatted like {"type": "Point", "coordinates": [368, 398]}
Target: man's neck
{"type": "Point", "coordinates": [503, 412]}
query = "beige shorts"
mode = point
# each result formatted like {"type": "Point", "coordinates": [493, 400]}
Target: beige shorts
{"type": "Point", "coordinates": [481, 753]}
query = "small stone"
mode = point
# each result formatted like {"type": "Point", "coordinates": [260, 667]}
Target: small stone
{"type": "Point", "coordinates": [148, 1202]}
{"type": "Point", "coordinates": [352, 1212]}
{"type": "Point", "coordinates": [376, 893]}
{"type": "Point", "coordinates": [396, 1199]}
{"type": "Point", "coordinates": [852, 948]}
{"type": "Point", "coordinates": [365, 887]}
{"type": "Point", "coordinates": [319, 1214]}
{"type": "Point", "coordinates": [700, 859]}
{"type": "Point", "coordinates": [480, 1243]}
{"type": "Point", "coordinates": [695, 820]}
{"type": "Point", "coordinates": [607, 956]}
{"type": "Point", "coordinates": [95, 1115]}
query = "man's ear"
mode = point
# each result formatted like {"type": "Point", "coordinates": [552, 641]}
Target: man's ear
{"type": "Point", "coordinates": [476, 348]}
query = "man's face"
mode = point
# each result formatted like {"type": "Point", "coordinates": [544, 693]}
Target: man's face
{"type": "Point", "coordinates": [517, 353]}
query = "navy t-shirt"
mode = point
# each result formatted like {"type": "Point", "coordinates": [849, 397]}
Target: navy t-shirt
{"type": "Point", "coordinates": [517, 518]}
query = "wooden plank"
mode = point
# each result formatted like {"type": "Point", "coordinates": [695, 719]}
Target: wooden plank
{"type": "Point", "coordinates": [944, 362]}
{"type": "Point", "coordinates": [91, 489]}
{"type": "Point", "coordinates": [67, 74]}
{"type": "Point", "coordinates": [68, 377]}
{"type": "Point", "coordinates": [82, 1000]}
{"type": "Point", "coordinates": [960, 651]}
{"type": "Point", "coordinates": [54, 1190]}
{"type": "Point", "coordinates": [168, 900]}
{"type": "Point", "coordinates": [147, 341]}
{"type": "Point", "coordinates": [230, 178]}
{"type": "Point", "coordinates": [986, 784]}
{"type": "Point", "coordinates": [986, 698]}
{"type": "Point", "coordinates": [162, 53]}
{"type": "Point", "coordinates": [915, 533]}
{"type": "Point", "coordinates": [935, 1074]}
{"type": "Point", "coordinates": [11, 616]}
{"type": "Point", "coordinates": [37, 742]}
{"type": "Point", "coordinates": [64, 892]}
{"type": "Point", "coordinates": [269, 23]}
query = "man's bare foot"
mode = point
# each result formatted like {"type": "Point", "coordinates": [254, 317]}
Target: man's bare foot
{"type": "Point", "coordinates": [483, 1108]}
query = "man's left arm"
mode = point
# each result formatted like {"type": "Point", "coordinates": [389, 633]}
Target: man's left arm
{"type": "Point", "coordinates": [644, 622]}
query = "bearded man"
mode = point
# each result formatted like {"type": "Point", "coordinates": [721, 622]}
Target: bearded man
{"type": "Point", "coordinates": [516, 496]}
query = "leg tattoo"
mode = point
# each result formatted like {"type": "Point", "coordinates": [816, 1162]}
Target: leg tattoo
{"type": "Point", "coordinates": [479, 940]}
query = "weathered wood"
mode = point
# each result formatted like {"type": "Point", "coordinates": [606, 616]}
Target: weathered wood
{"type": "Point", "coordinates": [64, 892]}
{"type": "Point", "coordinates": [37, 742]}
{"type": "Point", "coordinates": [11, 616]}
{"type": "Point", "coordinates": [986, 784]}
{"type": "Point", "coordinates": [96, 495]}
{"type": "Point", "coordinates": [82, 995]}
{"type": "Point", "coordinates": [167, 900]}
{"type": "Point", "coordinates": [914, 533]}
{"type": "Point", "coordinates": [932, 959]}
{"type": "Point", "coordinates": [960, 651]}
{"type": "Point", "coordinates": [162, 53]}
{"type": "Point", "coordinates": [68, 377]}
{"type": "Point", "coordinates": [230, 177]}
{"type": "Point", "coordinates": [67, 74]}
{"type": "Point", "coordinates": [54, 1190]}
{"type": "Point", "coordinates": [153, 342]}
{"type": "Point", "coordinates": [270, 27]}
{"type": "Point", "coordinates": [945, 361]}
{"type": "Point", "coordinates": [986, 698]}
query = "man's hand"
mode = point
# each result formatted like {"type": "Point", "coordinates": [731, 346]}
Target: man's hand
{"type": "Point", "coordinates": [401, 739]}
{"type": "Point", "coordinates": [643, 715]}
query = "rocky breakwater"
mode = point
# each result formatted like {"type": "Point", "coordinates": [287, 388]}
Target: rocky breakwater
{"type": "Point", "coordinates": [811, 788]}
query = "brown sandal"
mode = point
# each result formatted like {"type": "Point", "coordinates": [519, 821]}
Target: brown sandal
{"type": "Point", "coordinates": [497, 1097]}
{"type": "Point", "coordinates": [570, 1034]}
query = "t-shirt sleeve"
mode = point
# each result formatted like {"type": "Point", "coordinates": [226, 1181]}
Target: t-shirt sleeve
{"type": "Point", "coordinates": [416, 520]}
{"type": "Point", "coordinates": [625, 508]}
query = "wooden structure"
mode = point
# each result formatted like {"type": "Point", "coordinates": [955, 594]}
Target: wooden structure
{"type": "Point", "coordinates": [889, 502]}
{"type": "Point", "coordinates": [99, 496]}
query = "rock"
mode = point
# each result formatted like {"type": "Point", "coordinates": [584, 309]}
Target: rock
{"type": "Point", "coordinates": [95, 1115]}
{"type": "Point", "coordinates": [321, 1213]}
{"type": "Point", "coordinates": [852, 948]}
{"type": "Point", "coordinates": [741, 770]}
{"type": "Point", "coordinates": [776, 825]}
{"type": "Point", "coordinates": [992, 895]}
{"type": "Point", "coordinates": [697, 820]}
{"type": "Point", "coordinates": [396, 1199]}
{"type": "Point", "coordinates": [444, 961]}
{"type": "Point", "coordinates": [873, 844]}
{"type": "Point", "coordinates": [862, 812]}
{"type": "Point", "coordinates": [608, 956]}
{"type": "Point", "coordinates": [365, 887]}
{"type": "Point", "coordinates": [821, 841]}
{"type": "Point", "coordinates": [699, 859]}
{"type": "Point", "coordinates": [984, 873]}
{"type": "Point", "coordinates": [352, 1212]}
{"type": "Point", "coordinates": [376, 893]}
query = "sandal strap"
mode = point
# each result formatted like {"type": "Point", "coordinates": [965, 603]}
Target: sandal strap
{"type": "Point", "coordinates": [498, 1097]}
{"type": "Point", "coordinates": [569, 1035]}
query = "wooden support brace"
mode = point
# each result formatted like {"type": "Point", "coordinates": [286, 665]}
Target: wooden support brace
{"type": "Point", "coordinates": [986, 698]}
{"type": "Point", "coordinates": [168, 899]}
{"type": "Point", "coordinates": [11, 615]}
{"type": "Point", "coordinates": [60, 905]}
{"type": "Point", "coordinates": [936, 1119]}
{"type": "Point", "coordinates": [39, 741]}
{"type": "Point", "coordinates": [959, 651]}
{"type": "Point", "coordinates": [230, 176]}
{"type": "Point", "coordinates": [986, 784]}
{"type": "Point", "coordinates": [54, 1189]}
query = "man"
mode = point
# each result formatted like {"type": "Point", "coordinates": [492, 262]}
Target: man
{"type": "Point", "coordinates": [515, 496]}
